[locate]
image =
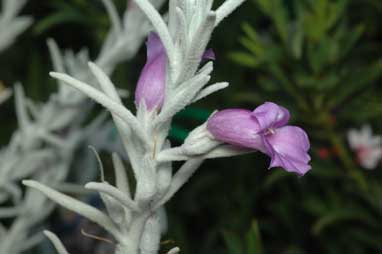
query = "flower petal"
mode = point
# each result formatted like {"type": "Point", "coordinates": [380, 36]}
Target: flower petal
{"type": "Point", "coordinates": [369, 157]}
{"type": "Point", "coordinates": [290, 165]}
{"type": "Point", "coordinates": [209, 54]}
{"type": "Point", "coordinates": [236, 127]}
{"type": "Point", "coordinates": [271, 115]}
{"type": "Point", "coordinates": [154, 47]}
{"type": "Point", "coordinates": [353, 139]}
{"type": "Point", "coordinates": [288, 148]}
{"type": "Point", "coordinates": [151, 83]}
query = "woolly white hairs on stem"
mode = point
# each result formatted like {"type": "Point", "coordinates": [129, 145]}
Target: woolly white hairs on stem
{"type": "Point", "coordinates": [34, 151]}
{"type": "Point", "coordinates": [12, 25]}
{"type": "Point", "coordinates": [134, 219]}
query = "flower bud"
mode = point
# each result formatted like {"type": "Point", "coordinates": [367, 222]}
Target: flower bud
{"type": "Point", "coordinates": [152, 81]}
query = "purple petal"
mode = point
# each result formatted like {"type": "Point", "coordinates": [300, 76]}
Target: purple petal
{"type": "Point", "coordinates": [209, 54]}
{"type": "Point", "coordinates": [154, 47]}
{"type": "Point", "coordinates": [288, 147]}
{"type": "Point", "coordinates": [151, 84]}
{"type": "Point", "coordinates": [271, 115]}
{"type": "Point", "coordinates": [236, 127]}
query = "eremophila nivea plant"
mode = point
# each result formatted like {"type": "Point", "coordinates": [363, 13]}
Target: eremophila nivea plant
{"type": "Point", "coordinates": [49, 133]}
{"type": "Point", "coordinates": [11, 25]}
{"type": "Point", "coordinates": [172, 79]}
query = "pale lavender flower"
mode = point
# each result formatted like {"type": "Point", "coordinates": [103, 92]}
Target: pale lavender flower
{"type": "Point", "coordinates": [151, 84]}
{"type": "Point", "coordinates": [264, 129]}
{"type": "Point", "coordinates": [152, 81]}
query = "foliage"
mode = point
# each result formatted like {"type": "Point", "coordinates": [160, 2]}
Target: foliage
{"type": "Point", "coordinates": [314, 58]}
{"type": "Point", "coordinates": [321, 59]}
{"type": "Point", "coordinates": [252, 241]}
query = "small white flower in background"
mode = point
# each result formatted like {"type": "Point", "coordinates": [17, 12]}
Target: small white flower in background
{"type": "Point", "coordinates": [368, 147]}
{"type": "Point", "coordinates": [5, 93]}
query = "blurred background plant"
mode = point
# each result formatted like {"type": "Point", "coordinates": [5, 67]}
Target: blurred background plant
{"type": "Point", "coordinates": [321, 59]}
{"type": "Point", "coordinates": [51, 135]}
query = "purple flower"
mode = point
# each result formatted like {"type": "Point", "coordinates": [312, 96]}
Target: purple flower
{"type": "Point", "coordinates": [152, 81]}
{"type": "Point", "coordinates": [264, 129]}
{"type": "Point", "coordinates": [209, 54]}
{"type": "Point", "coordinates": [151, 84]}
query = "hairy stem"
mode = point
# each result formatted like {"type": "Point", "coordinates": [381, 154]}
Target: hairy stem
{"type": "Point", "coordinates": [133, 237]}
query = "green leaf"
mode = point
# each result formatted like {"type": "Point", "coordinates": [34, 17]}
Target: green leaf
{"type": "Point", "coordinates": [319, 54]}
{"type": "Point", "coordinates": [265, 5]}
{"type": "Point", "coordinates": [253, 238]}
{"type": "Point", "coordinates": [363, 107]}
{"type": "Point", "coordinates": [371, 240]}
{"type": "Point", "coordinates": [356, 81]}
{"type": "Point", "coordinates": [244, 59]}
{"type": "Point", "coordinates": [233, 243]}
{"type": "Point", "coordinates": [315, 206]}
{"type": "Point", "coordinates": [275, 177]}
{"type": "Point", "coordinates": [250, 32]}
{"type": "Point", "coordinates": [334, 12]}
{"type": "Point", "coordinates": [253, 46]}
{"type": "Point", "coordinates": [59, 18]}
{"type": "Point", "coordinates": [296, 41]}
{"type": "Point", "coordinates": [335, 217]}
{"type": "Point", "coordinates": [281, 21]}
{"type": "Point", "coordinates": [276, 11]}
{"type": "Point", "coordinates": [324, 169]}
{"type": "Point", "coordinates": [351, 38]}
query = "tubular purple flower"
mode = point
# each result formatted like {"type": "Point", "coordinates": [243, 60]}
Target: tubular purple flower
{"type": "Point", "coordinates": [264, 129]}
{"type": "Point", "coordinates": [152, 81]}
{"type": "Point", "coordinates": [151, 84]}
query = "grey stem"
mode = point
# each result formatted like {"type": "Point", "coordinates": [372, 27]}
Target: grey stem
{"type": "Point", "coordinates": [133, 236]}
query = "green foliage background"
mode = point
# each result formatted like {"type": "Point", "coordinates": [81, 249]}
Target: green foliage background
{"type": "Point", "coordinates": [321, 59]}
